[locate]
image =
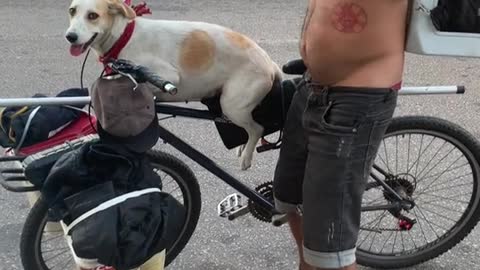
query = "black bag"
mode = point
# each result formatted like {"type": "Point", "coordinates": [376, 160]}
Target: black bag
{"type": "Point", "coordinates": [28, 125]}
{"type": "Point", "coordinates": [128, 232]}
{"type": "Point", "coordinates": [270, 113]}
{"type": "Point", "coordinates": [457, 16]}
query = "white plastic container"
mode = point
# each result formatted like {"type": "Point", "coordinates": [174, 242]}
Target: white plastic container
{"type": "Point", "coordinates": [425, 39]}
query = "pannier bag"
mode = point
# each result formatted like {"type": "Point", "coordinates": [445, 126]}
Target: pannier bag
{"type": "Point", "coordinates": [111, 206]}
{"type": "Point", "coordinates": [457, 16]}
{"type": "Point", "coordinates": [28, 125]}
{"type": "Point", "coordinates": [105, 193]}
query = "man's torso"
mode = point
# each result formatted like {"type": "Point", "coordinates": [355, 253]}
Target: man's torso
{"type": "Point", "coordinates": [355, 42]}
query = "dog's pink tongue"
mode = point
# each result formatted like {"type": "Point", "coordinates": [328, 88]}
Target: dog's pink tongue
{"type": "Point", "coordinates": [76, 50]}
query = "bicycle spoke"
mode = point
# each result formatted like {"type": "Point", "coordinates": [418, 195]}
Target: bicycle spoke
{"type": "Point", "coordinates": [435, 180]}
{"type": "Point", "coordinates": [412, 239]}
{"type": "Point", "coordinates": [171, 181]}
{"type": "Point", "coordinates": [440, 215]}
{"type": "Point", "coordinates": [383, 246]}
{"type": "Point", "coordinates": [374, 201]}
{"type": "Point", "coordinates": [429, 222]}
{"type": "Point", "coordinates": [419, 156]}
{"type": "Point", "coordinates": [396, 153]}
{"type": "Point", "coordinates": [447, 187]}
{"type": "Point", "coordinates": [55, 249]}
{"type": "Point", "coordinates": [366, 237]}
{"type": "Point", "coordinates": [54, 232]}
{"type": "Point", "coordinates": [403, 243]}
{"type": "Point", "coordinates": [375, 235]}
{"type": "Point", "coordinates": [435, 155]}
{"type": "Point", "coordinates": [441, 206]}
{"type": "Point", "coordinates": [386, 156]}
{"type": "Point", "coordinates": [453, 169]}
{"type": "Point", "coordinates": [420, 224]}
{"type": "Point", "coordinates": [65, 264]}
{"type": "Point", "coordinates": [383, 161]}
{"type": "Point", "coordinates": [394, 241]}
{"type": "Point", "coordinates": [441, 200]}
{"type": "Point", "coordinates": [177, 188]}
{"type": "Point", "coordinates": [420, 178]}
{"type": "Point", "coordinates": [442, 182]}
{"type": "Point", "coordinates": [448, 198]}
{"type": "Point", "coordinates": [408, 153]}
{"type": "Point", "coordinates": [53, 238]}
{"type": "Point", "coordinates": [55, 256]}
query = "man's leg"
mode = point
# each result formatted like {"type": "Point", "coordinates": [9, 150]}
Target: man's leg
{"type": "Point", "coordinates": [290, 169]}
{"type": "Point", "coordinates": [344, 127]}
{"type": "Point", "coordinates": [296, 227]}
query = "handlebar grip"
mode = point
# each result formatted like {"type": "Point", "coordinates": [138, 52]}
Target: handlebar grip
{"type": "Point", "coordinates": [158, 81]}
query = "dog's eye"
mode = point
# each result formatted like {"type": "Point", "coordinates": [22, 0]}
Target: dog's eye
{"type": "Point", "coordinates": [92, 16]}
{"type": "Point", "coordinates": [72, 11]}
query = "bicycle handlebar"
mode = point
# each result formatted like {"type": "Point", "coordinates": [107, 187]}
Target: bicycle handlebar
{"type": "Point", "coordinates": [142, 74]}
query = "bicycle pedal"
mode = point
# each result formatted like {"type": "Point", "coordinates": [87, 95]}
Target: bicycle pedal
{"type": "Point", "coordinates": [230, 205]}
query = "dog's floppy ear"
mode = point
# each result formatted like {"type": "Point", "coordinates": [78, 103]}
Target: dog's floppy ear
{"type": "Point", "coordinates": [119, 6]}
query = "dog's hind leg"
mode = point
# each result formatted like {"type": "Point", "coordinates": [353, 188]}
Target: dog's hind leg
{"type": "Point", "coordinates": [239, 98]}
{"type": "Point", "coordinates": [254, 130]}
{"type": "Point", "coordinates": [240, 150]}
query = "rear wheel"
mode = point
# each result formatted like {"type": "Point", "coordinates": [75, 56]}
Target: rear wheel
{"type": "Point", "coordinates": [435, 163]}
{"type": "Point", "coordinates": [43, 247]}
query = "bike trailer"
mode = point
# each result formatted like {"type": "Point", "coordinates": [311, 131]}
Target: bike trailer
{"type": "Point", "coordinates": [444, 28]}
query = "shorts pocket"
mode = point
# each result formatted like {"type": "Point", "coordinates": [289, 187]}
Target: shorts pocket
{"type": "Point", "coordinates": [338, 118]}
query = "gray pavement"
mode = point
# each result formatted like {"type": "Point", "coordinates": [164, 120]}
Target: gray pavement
{"type": "Point", "coordinates": [34, 58]}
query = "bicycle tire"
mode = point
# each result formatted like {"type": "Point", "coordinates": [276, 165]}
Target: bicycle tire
{"type": "Point", "coordinates": [30, 243]}
{"type": "Point", "coordinates": [469, 218]}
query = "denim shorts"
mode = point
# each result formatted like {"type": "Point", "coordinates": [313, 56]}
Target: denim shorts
{"type": "Point", "coordinates": [331, 138]}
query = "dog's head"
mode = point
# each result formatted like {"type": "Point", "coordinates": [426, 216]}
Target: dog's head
{"type": "Point", "coordinates": [90, 20]}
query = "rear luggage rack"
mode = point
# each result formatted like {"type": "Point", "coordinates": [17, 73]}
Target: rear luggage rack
{"type": "Point", "coordinates": [11, 175]}
{"type": "Point", "coordinates": [12, 168]}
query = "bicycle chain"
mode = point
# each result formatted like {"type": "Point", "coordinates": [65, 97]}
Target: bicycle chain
{"type": "Point", "coordinates": [382, 229]}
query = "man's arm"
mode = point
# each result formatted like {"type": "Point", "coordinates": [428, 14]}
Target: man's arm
{"type": "Point", "coordinates": [306, 22]}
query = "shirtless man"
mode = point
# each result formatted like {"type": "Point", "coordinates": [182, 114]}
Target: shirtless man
{"type": "Point", "coordinates": [354, 52]}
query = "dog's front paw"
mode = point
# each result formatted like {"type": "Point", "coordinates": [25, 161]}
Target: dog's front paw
{"type": "Point", "coordinates": [245, 162]}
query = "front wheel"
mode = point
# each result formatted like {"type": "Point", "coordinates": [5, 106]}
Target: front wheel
{"type": "Point", "coordinates": [436, 164]}
{"type": "Point", "coordinates": [43, 246]}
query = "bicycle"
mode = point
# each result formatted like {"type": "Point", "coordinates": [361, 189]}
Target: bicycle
{"type": "Point", "coordinates": [391, 206]}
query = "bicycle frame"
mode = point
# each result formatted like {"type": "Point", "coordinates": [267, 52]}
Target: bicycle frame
{"type": "Point", "coordinates": [203, 160]}
{"type": "Point", "coordinates": [212, 167]}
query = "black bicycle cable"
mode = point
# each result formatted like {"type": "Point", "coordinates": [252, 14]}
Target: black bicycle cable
{"type": "Point", "coordinates": [81, 86]}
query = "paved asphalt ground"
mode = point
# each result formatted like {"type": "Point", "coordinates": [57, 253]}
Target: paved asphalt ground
{"type": "Point", "coordinates": [34, 58]}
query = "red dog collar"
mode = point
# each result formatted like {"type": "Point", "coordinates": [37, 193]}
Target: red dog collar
{"type": "Point", "coordinates": [118, 46]}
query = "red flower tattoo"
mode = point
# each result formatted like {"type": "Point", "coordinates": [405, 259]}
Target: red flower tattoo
{"type": "Point", "coordinates": [349, 18]}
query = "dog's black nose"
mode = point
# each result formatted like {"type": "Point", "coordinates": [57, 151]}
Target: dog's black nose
{"type": "Point", "coordinates": [72, 37]}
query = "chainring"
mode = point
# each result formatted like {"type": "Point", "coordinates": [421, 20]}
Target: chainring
{"type": "Point", "coordinates": [258, 212]}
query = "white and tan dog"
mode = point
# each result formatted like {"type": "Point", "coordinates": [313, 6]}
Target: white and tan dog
{"type": "Point", "coordinates": [201, 59]}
